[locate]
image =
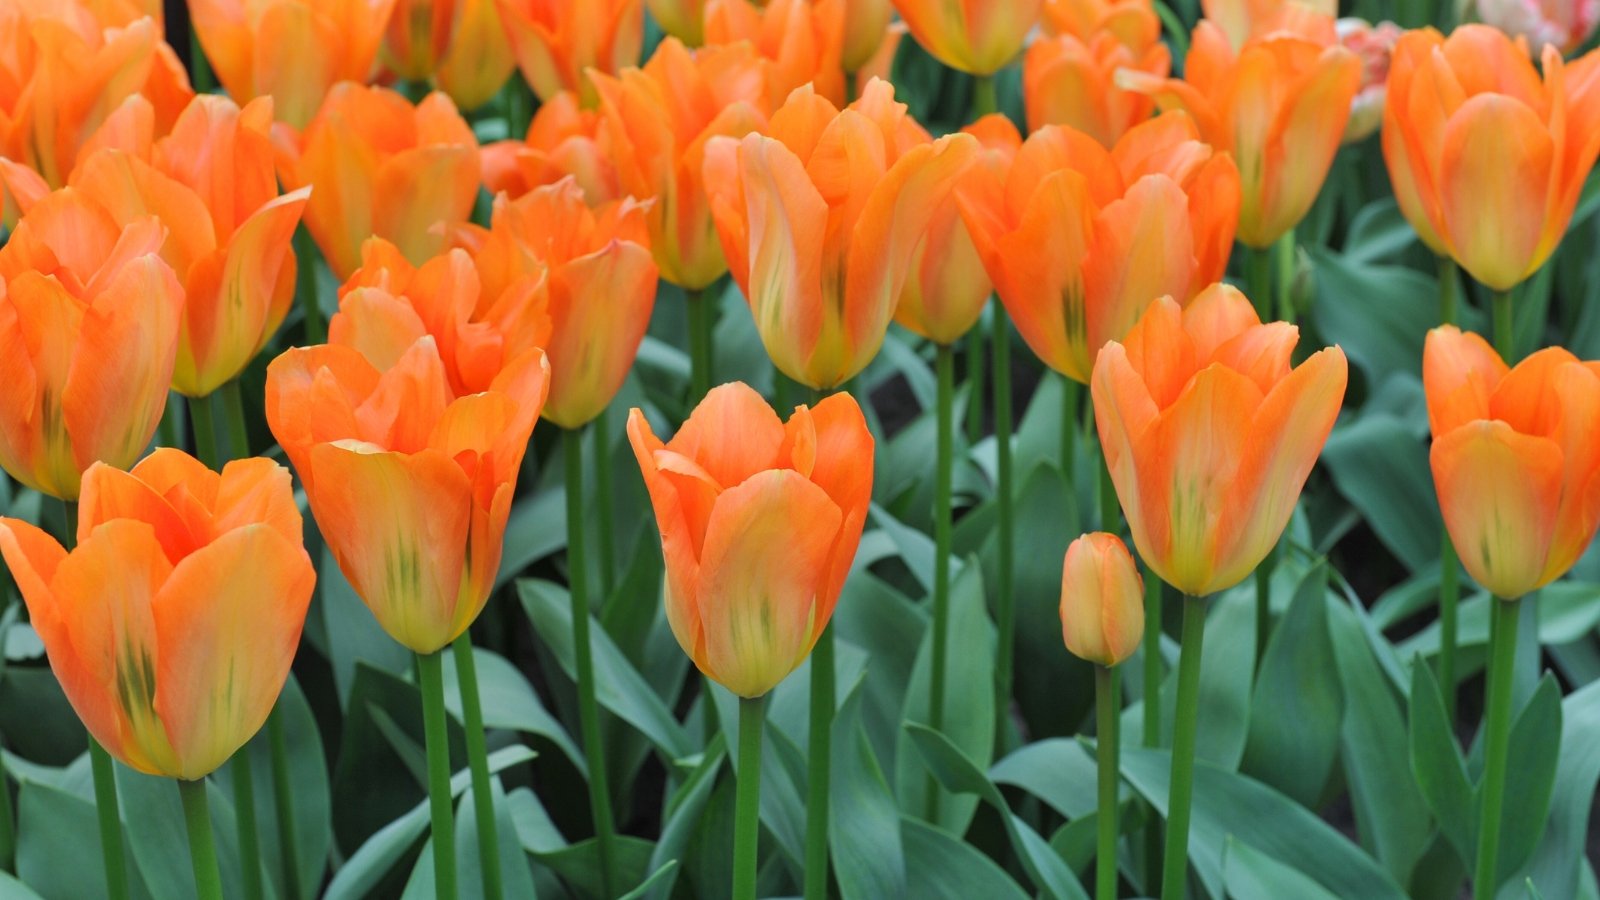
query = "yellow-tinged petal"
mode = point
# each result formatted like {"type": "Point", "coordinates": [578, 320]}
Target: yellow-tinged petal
{"type": "Point", "coordinates": [1494, 178]}
{"type": "Point", "coordinates": [1499, 492]}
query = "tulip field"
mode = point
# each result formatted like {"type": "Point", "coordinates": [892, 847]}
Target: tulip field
{"type": "Point", "coordinates": [860, 449]}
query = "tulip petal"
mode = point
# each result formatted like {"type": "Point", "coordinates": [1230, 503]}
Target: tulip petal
{"type": "Point", "coordinates": [1499, 492]}
{"type": "Point", "coordinates": [1459, 372]}
{"type": "Point", "coordinates": [1493, 183]}
{"type": "Point", "coordinates": [257, 491]}
{"type": "Point", "coordinates": [732, 434]}
{"type": "Point", "coordinates": [679, 544]}
{"type": "Point", "coordinates": [600, 308]}
{"type": "Point", "coordinates": [842, 467]}
{"type": "Point", "coordinates": [1143, 249]}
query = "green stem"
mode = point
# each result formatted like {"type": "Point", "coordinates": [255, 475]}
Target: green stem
{"type": "Point", "coordinates": [8, 822]}
{"type": "Point", "coordinates": [1447, 290]}
{"type": "Point", "coordinates": [305, 252]}
{"type": "Point", "coordinates": [819, 751]}
{"type": "Point", "coordinates": [583, 654]}
{"type": "Point", "coordinates": [1071, 392]}
{"type": "Point", "coordinates": [202, 848]}
{"type": "Point", "coordinates": [943, 464]}
{"type": "Point", "coordinates": [1152, 702]}
{"type": "Point", "coordinates": [478, 762]}
{"type": "Point", "coordinates": [283, 804]}
{"type": "Point", "coordinates": [985, 99]}
{"type": "Point", "coordinates": [1110, 508]}
{"type": "Point", "coordinates": [1449, 597]}
{"type": "Point", "coordinates": [233, 416]}
{"type": "Point", "coordinates": [205, 432]}
{"type": "Point", "coordinates": [1264, 603]}
{"type": "Point", "coordinates": [200, 75]}
{"type": "Point", "coordinates": [430, 676]}
{"type": "Point", "coordinates": [1175, 862]}
{"type": "Point", "coordinates": [1106, 708]}
{"type": "Point", "coordinates": [1503, 654]}
{"type": "Point", "coordinates": [167, 429]}
{"type": "Point", "coordinates": [1505, 342]}
{"type": "Point", "coordinates": [518, 107]}
{"type": "Point", "coordinates": [244, 811]}
{"type": "Point", "coordinates": [1258, 280]}
{"type": "Point", "coordinates": [747, 801]}
{"type": "Point", "coordinates": [599, 435]}
{"type": "Point", "coordinates": [699, 344]}
{"type": "Point", "coordinates": [1004, 599]}
{"type": "Point", "coordinates": [974, 371]}
{"type": "Point", "coordinates": [1283, 253]}
{"type": "Point", "coordinates": [105, 802]}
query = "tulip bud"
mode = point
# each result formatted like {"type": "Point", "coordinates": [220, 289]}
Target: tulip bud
{"type": "Point", "coordinates": [1102, 600]}
{"type": "Point", "coordinates": [1373, 45]}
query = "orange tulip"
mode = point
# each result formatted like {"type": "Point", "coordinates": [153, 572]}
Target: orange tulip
{"type": "Point", "coordinates": [563, 139]}
{"type": "Point", "coordinates": [458, 43]}
{"type": "Point", "coordinates": [1241, 20]}
{"type": "Point", "coordinates": [410, 482]}
{"type": "Point", "coordinates": [556, 42]}
{"type": "Point", "coordinates": [658, 121]}
{"type": "Point", "coordinates": [384, 168]}
{"type": "Point", "coordinates": [881, 63]}
{"type": "Point", "coordinates": [820, 218]}
{"type": "Point", "coordinates": [1127, 19]}
{"type": "Point", "coordinates": [211, 183]}
{"type": "Point", "coordinates": [866, 25]}
{"type": "Point", "coordinates": [759, 525]}
{"type": "Point", "coordinates": [1209, 434]}
{"type": "Point", "coordinates": [1079, 239]}
{"type": "Point", "coordinates": [1486, 159]}
{"type": "Point", "coordinates": [979, 37]}
{"type": "Point", "coordinates": [64, 72]}
{"type": "Point", "coordinates": [1515, 457]}
{"type": "Point", "coordinates": [1279, 106]}
{"type": "Point", "coordinates": [89, 324]}
{"type": "Point", "coordinates": [601, 285]}
{"type": "Point", "coordinates": [172, 624]}
{"type": "Point", "coordinates": [802, 41]}
{"type": "Point", "coordinates": [292, 50]}
{"type": "Point", "coordinates": [946, 286]}
{"type": "Point", "coordinates": [1068, 80]}
{"type": "Point", "coordinates": [1102, 600]}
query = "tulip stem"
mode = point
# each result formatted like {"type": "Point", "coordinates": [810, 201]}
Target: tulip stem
{"type": "Point", "coordinates": [478, 762]}
{"type": "Point", "coordinates": [1005, 565]}
{"type": "Point", "coordinates": [1264, 603]}
{"type": "Point", "coordinates": [233, 414]}
{"type": "Point", "coordinates": [305, 251]}
{"type": "Point", "coordinates": [1152, 701]}
{"type": "Point", "coordinates": [583, 657]}
{"type": "Point", "coordinates": [430, 677]}
{"type": "Point", "coordinates": [244, 811]}
{"type": "Point", "coordinates": [985, 99]}
{"type": "Point", "coordinates": [283, 805]}
{"type": "Point", "coordinates": [1070, 391]}
{"type": "Point", "coordinates": [1175, 867]}
{"type": "Point", "coordinates": [202, 848]}
{"type": "Point", "coordinates": [747, 800]}
{"type": "Point", "coordinates": [819, 756]}
{"type": "Point", "coordinates": [943, 463]}
{"type": "Point", "coordinates": [105, 803]}
{"type": "Point", "coordinates": [1106, 709]}
{"type": "Point", "coordinates": [974, 371]}
{"type": "Point", "coordinates": [599, 434]}
{"type": "Point", "coordinates": [700, 326]}
{"type": "Point", "coordinates": [1110, 508]}
{"type": "Point", "coordinates": [1283, 251]}
{"type": "Point", "coordinates": [8, 821]}
{"type": "Point", "coordinates": [1497, 725]}
{"type": "Point", "coordinates": [1505, 339]}
{"type": "Point", "coordinates": [1447, 290]}
{"type": "Point", "coordinates": [205, 432]}
{"type": "Point", "coordinates": [1258, 280]}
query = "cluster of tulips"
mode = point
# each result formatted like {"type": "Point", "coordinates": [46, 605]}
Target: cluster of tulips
{"type": "Point", "coordinates": [152, 249]}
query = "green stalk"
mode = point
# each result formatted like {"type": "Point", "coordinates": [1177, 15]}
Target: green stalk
{"type": "Point", "coordinates": [478, 762]}
{"type": "Point", "coordinates": [167, 428]}
{"type": "Point", "coordinates": [1106, 708]}
{"type": "Point", "coordinates": [233, 413]}
{"type": "Point", "coordinates": [1505, 342]}
{"type": "Point", "coordinates": [8, 822]}
{"type": "Point", "coordinates": [602, 502]}
{"type": "Point", "coordinates": [1175, 865]}
{"type": "Point", "coordinates": [200, 77]}
{"type": "Point", "coordinates": [1503, 655]}
{"type": "Point", "coordinates": [985, 100]}
{"type": "Point", "coordinates": [699, 344]}
{"type": "Point", "coordinates": [819, 751]}
{"type": "Point", "coordinates": [244, 808]}
{"type": "Point", "coordinates": [1447, 290]}
{"type": "Point", "coordinates": [430, 677]}
{"type": "Point", "coordinates": [1264, 603]}
{"type": "Point", "coordinates": [1258, 280]}
{"type": "Point", "coordinates": [202, 848]}
{"type": "Point", "coordinates": [1070, 392]}
{"type": "Point", "coordinates": [305, 252]}
{"type": "Point", "coordinates": [283, 804]}
{"type": "Point", "coordinates": [1449, 571]}
{"type": "Point", "coordinates": [943, 464]}
{"type": "Point", "coordinates": [583, 654]}
{"type": "Point", "coordinates": [747, 800]}
{"type": "Point", "coordinates": [518, 107]}
{"type": "Point", "coordinates": [205, 432]}
{"type": "Point", "coordinates": [1110, 507]}
{"type": "Point", "coordinates": [974, 372]}
{"type": "Point", "coordinates": [105, 802]}
{"type": "Point", "coordinates": [1152, 701]}
{"type": "Point", "coordinates": [1283, 252]}
{"type": "Point", "coordinates": [1004, 599]}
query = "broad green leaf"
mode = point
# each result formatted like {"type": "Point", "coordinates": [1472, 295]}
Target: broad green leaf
{"type": "Point", "coordinates": [662, 877]}
{"type": "Point", "coordinates": [579, 864]}
{"type": "Point", "coordinates": [1377, 232]}
{"type": "Point", "coordinates": [1556, 863]}
{"type": "Point", "coordinates": [1250, 874]}
{"type": "Point", "coordinates": [681, 818]}
{"type": "Point", "coordinates": [516, 879]}
{"type": "Point", "coordinates": [58, 848]}
{"type": "Point", "coordinates": [12, 889]}
{"type": "Point", "coordinates": [1378, 314]}
{"type": "Point", "coordinates": [1530, 776]}
{"type": "Point", "coordinates": [508, 701]}
{"type": "Point", "coordinates": [888, 626]}
{"type": "Point", "coordinates": [36, 719]}
{"type": "Point", "coordinates": [1438, 766]}
{"type": "Point", "coordinates": [1227, 668]}
{"type": "Point", "coordinates": [159, 840]}
{"type": "Point", "coordinates": [783, 811]}
{"type": "Point", "coordinates": [863, 821]}
{"type": "Point", "coordinates": [1381, 467]}
{"type": "Point", "coordinates": [536, 528]}
{"type": "Point", "coordinates": [940, 866]}
{"type": "Point", "coordinates": [352, 632]}
{"type": "Point", "coordinates": [1058, 771]}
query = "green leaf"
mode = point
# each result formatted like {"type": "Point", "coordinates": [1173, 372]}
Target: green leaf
{"type": "Point", "coordinates": [516, 879]}
{"type": "Point", "coordinates": [1058, 771]}
{"type": "Point", "coordinates": [159, 840]}
{"type": "Point", "coordinates": [1250, 874]}
{"type": "Point", "coordinates": [1227, 669]}
{"type": "Point", "coordinates": [1378, 314]}
{"type": "Point", "coordinates": [1379, 231]}
{"type": "Point", "coordinates": [12, 889]}
{"type": "Point", "coordinates": [681, 817]}
{"type": "Point", "coordinates": [662, 876]}
{"type": "Point", "coordinates": [783, 769]}
{"type": "Point", "coordinates": [354, 636]}
{"type": "Point", "coordinates": [863, 820]}
{"type": "Point", "coordinates": [940, 866]}
{"type": "Point", "coordinates": [579, 864]}
{"type": "Point", "coordinates": [1556, 863]}
{"type": "Point", "coordinates": [58, 849]}
{"type": "Point", "coordinates": [536, 528]}
{"type": "Point", "coordinates": [1380, 466]}
{"type": "Point", "coordinates": [1438, 766]}
{"type": "Point", "coordinates": [508, 701]}
{"type": "Point", "coordinates": [1530, 776]}
{"type": "Point", "coordinates": [887, 625]}
{"type": "Point", "coordinates": [1297, 708]}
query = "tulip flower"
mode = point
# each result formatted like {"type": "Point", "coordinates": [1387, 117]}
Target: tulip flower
{"type": "Point", "coordinates": [1374, 46]}
{"type": "Point", "coordinates": [801, 41]}
{"type": "Point", "coordinates": [458, 43]}
{"type": "Point", "coordinates": [410, 482]}
{"type": "Point", "coordinates": [563, 139]}
{"type": "Point", "coordinates": [1241, 20]}
{"type": "Point", "coordinates": [1279, 105]}
{"type": "Point", "coordinates": [658, 121]}
{"type": "Point", "coordinates": [820, 218]}
{"type": "Point", "coordinates": [172, 624]}
{"type": "Point", "coordinates": [1069, 80]}
{"type": "Point", "coordinates": [1102, 600]}
{"type": "Point", "coordinates": [866, 26]}
{"type": "Point", "coordinates": [1080, 240]}
{"type": "Point", "coordinates": [386, 169]}
{"type": "Point", "coordinates": [601, 283]}
{"type": "Point", "coordinates": [1567, 26]}
{"type": "Point", "coordinates": [1127, 19]}
{"type": "Point", "coordinates": [682, 19]}
{"type": "Point", "coordinates": [1514, 458]}
{"type": "Point", "coordinates": [89, 325]}
{"type": "Point", "coordinates": [292, 50]}
{"type": "Point", "coordinates": [881, 63]}
{"type": "Point", "coordinates": [556, 42]}
{"type": "Point", "coordinates": [759, 524]}
{"type": "Point", "coordinates": [1209, 434]}
{"type": "Point", "coordinates": [1490, 173]}
{"type": "Point", "coordinates": [979, 37]}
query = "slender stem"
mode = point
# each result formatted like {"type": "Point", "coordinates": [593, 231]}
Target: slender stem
{"type": "Point", "coordinates": [1175, 866]}
{"type": "Point", "coordinates": [305, 252]}
{"type": "Point", "coordinates": [167, 428]}
{"type": "Point", "coordinates": [747, 800]}
{"type": "Point", "coordinates": [850, 91]}
{"type": "Point", "coordinates": [430, 676]}
{"type": "Point", "coordinates": [699, 344]}
{"type": "Point", "coordinates": [518, 107]}
{"type": "Point", "coordinates": [1258, 280]}
{"type": "Point", "coordinates": [478, 762]}
{"type": "Point", "coordinates": [1447, 290]}
{"type": "Point", "coordinates": [1110, 507]}
{"type": "Point", "coordinates": [1505, 340]}
{"type": "Point", "coordinates": [8, 822]}
{"type": "Point", "coordinates": [1503, 655]}
{"type": "Point", "coordinates": [283, 805]}
{"type": "Point", "coordinates": [105, 802]}
{"type": "Point", "coordinates": [202, 847]}
{"type": "Point", "coordinates": [985, 100]}
{"type": "Point", "coordinates": [1071, 392]}
{"type": "Point", "coordinates": [1004, 599]}
{"type": "Point", "coordinates": [819, 750]}
{"type": "Point", "coordinates": [1264, 603]}
{"type": "Point", "coordinates": [583, 655]}
{"type": "Point", "coordinates": [205, 432]}
{"type": "Point", "coordinates": [943, 464]}
{"type": "Point", "coordinates": [200, 75]}
{"type": "Point", "coordinates": [244, 810]}
{"type": "Point", "coordinates": [599, 435]}
{"type": "Point", "coordinates": [1283, 252]}
{"type": "Point", "coordinates": [975, 372]}
{"type": "Point", "coordinates": [1152, 703]}
{"type": "Point", "coordinates": [234, 419]}
{"type": "Point", "coordinates": [1106, 708]}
